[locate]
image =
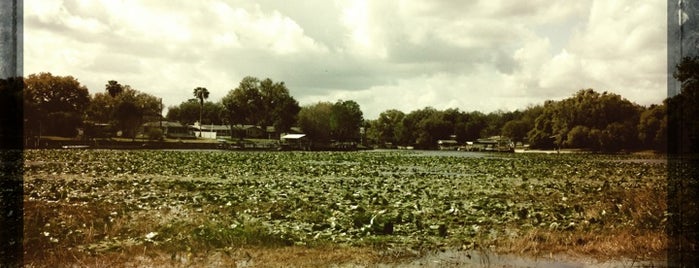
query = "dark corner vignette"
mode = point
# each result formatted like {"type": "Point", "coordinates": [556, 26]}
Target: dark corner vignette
{"type": "Point", "coordinates": [683, 132]}
{"type": "Point", "coordinates": [11, 133]}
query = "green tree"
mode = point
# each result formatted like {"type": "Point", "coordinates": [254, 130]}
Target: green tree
{"type": "Point", "coordinates": [114, 88]}
{"type": "Point", "coordinates": [128, 117]}
{"type": "Point", "coordinates": [606, 112]}
{"type": "Point", "coordinates": [431, 129]}
{"type": "Point", "coordinates": [345, 120]}
{"type": "Point", "coordinates": [186, 112]}
{"type": "Point", "coordinates": [652, 128]}
{"type": "Point", "coordinates": [386, 126]}
{"type": "Point", "coordinates": [54, 105]}
{"type": "Point", "coordinates": [279, 107]}
{"type": "Point", "coordinates": [496, 120]}
{"type": "Point", "coordinates": [125, 111]}
{"type": "Point", "coordinates": [474, 124]}
{"type": "Point", "coordinates": [579, 137]}
{"type": "Point", "coordinates": [130, 108]}
{"type": "Point", "coordinates": [314, 121]}
{"type": "Point", "coordinates": [541, 136]}
{"type": "Point", "coordinates": [101, 108]}
{"type": "Point", "coordinates": [422, 128]}
{"type": "Point", "coordinates": [516, 130]}
{"type": "Point", "coordinates": [262, 103]}
{"type": "Point", "coordinates": [201, 94]}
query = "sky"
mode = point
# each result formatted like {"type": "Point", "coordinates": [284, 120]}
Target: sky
{"type": "Point", "coordinates": [483, 55]}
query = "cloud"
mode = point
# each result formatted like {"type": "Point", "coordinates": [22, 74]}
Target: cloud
{"type": "Point", "coordinates": [472, 55]}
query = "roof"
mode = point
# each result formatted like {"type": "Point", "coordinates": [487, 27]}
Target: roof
{"type": "Point", "coordinates": [293, 136]}
{"type": "Point", "coordinates": [163, 123]}
{"type": "Point", "coordinates": [211, 127]}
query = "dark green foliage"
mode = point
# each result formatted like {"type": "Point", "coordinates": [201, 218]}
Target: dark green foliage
{"type": "Point", "coordinates": [314, 121]}
{"type": "Point", "coordinates": [325, 121]}
{"type": "Point", "coordinates": [609, 121]}
{"type": "Point", "coordinates": [516, 130]}
{"type": "Point", "coordinates": [652, 128]}
{"type": "Point", "coordinates": [345, 120]}
{"type": "Point", "coordinates": [128, 116]}
{"type": "Point", "coordinates": [48, 98]}
{"type": "Point", "coordinates": [114, 88]}
{"type": "Point", "coordinates": [262, 103]}
{"type": "Point", "coordinates": [187, 113]}
{"type": "Point", "coordinates": [201, 94]}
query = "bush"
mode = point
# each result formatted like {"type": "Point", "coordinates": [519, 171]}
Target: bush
{"type": "Point", "coordinates": [154, 134]}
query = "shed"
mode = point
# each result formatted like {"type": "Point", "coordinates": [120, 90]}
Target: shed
{"type": "Point", "coordinates": [294, 141]}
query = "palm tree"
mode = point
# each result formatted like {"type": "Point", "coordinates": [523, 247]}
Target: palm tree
{"type": "Point", "coordinates": [201, 93]}
{"type": "Point", "coordinates": [114, 88]}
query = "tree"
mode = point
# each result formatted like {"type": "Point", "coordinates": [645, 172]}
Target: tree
{"type": "Point", "coordinates": [346, 120]}
{"type": "Point", "coordinates": [431, 129]}
{"type": "Point", "coordinates": [496, 120]}
{"type": "Point", "coordinates": [314, 120]}
{"type": "Point", "coordinates": [201, 94]}
{"type": "Point", "coordinates": [607, 113]}
{"type": "Point", "coordinates": [386, 126]}
{"type": "Point", "coordinates": [422, 128]}
{"type": "Point", "coordinates": [541, 135]}
{"type": "Point", "coordinates": [54, 105]}
{"type": "Point", "coordinates": [652, 128]}
{"type": "Point", "coordinates": [126, 110]}
{"type": "Point", "coordinates": [214, 113]}
{"type": "Point", "coordinates": [244, 103]}
{"type": "Point", "coordinates": [262, 103]}
{"type": "Point", "coordinates": [279, 107]}
{"type": "Point", "coordinates": [101, 108]}
{"type": "Point", "coordinates": [186, 112]}
{"type": "Point", "coordinates": [130, 107]}
{"type": "Point", "coordinates": [579, 137]}
{"type": "Point", "coordinates": [114, 88]}
{"type": "Point", "coordinates": [515, 130]}
{"type": "Point", "coordinates": [127, 115]}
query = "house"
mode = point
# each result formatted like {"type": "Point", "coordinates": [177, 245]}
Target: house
{"type": "Point", "coordinates": [493, 144]}
{"type": "Point", "coordinates": [447, 144]}
{"type": "Point", "coordinates": [211, 131]}
{"type": "Point", "coordinates": [254, 132]}
{"type": "Point", "coordinates": [172, 130]}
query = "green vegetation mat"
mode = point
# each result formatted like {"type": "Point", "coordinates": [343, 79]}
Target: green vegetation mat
{"type": "Point", "coordinates": [92, 201]}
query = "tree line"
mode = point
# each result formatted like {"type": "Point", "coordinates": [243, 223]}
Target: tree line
{"type": "Point", "coordinates": [58, 105]}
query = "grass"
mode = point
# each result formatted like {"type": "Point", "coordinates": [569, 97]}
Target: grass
{"type": "Point", "coordinates": [643, 206]}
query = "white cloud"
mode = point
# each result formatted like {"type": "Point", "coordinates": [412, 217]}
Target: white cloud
{"type": "Point", "coordinates": [472, 55]}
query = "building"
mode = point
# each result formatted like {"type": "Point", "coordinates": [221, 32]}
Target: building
{"type": "Point", "coordinates": [447, 144]}
{"type": "Point", "coordinates": [211, 131]}
{"type": "Point", "coordinates": [294, 142]}
{"type": "Point", "coordinates": [171, 130]}
{"type": "Point", "coordinates": [494, 144]}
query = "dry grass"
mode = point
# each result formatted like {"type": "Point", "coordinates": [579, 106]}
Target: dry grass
{"type": "Point", "coordinates": [640, 233]}
{"type": "Point", "coordinates": [292, 256]}
{"type": "Point", "coordinates": [598, 245]}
